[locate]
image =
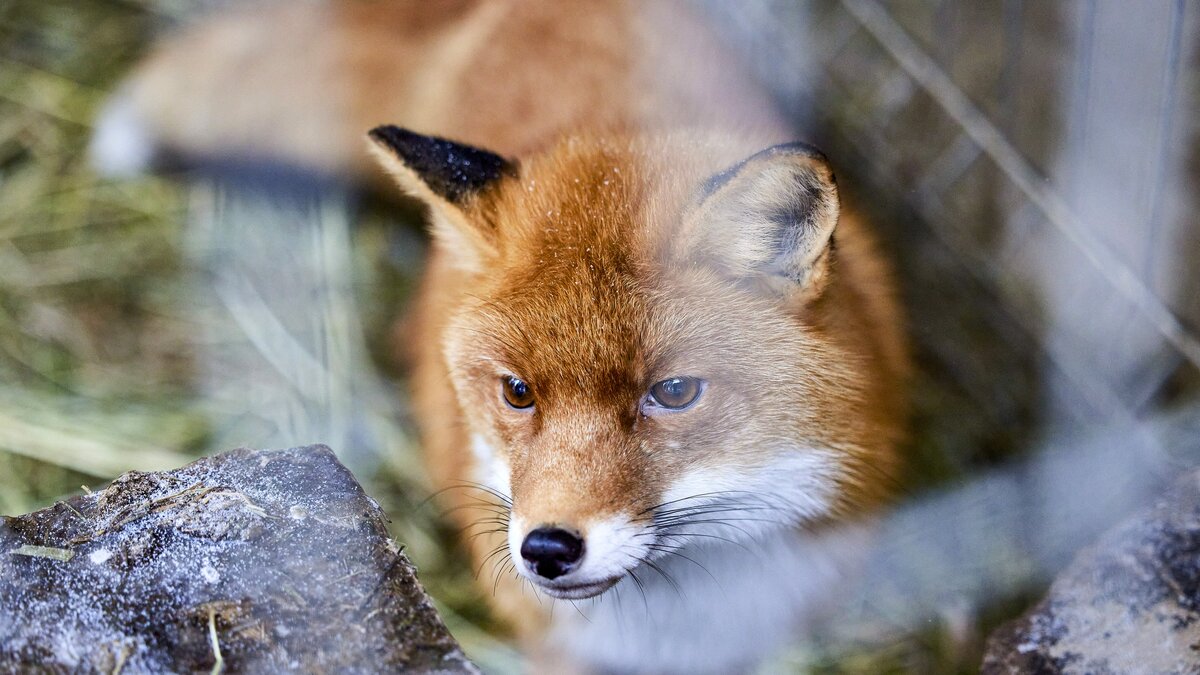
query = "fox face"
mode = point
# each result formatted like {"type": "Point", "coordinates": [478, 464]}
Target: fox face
{"type": "Point", "coordinates": [649, 343]}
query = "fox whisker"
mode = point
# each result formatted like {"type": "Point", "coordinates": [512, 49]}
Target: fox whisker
{"type": "Point", "coordinates": [491, 508]}
{"type": "Point", "coordinates": [500, 522]}
{"type": "Point", "coordinates": [496, 530]}
{"type": "Point", "coordinates": [585, 616]}
{"type": "Point", "coordinates": [641, 589]}
{"type": "Point", "coordinates": [500, 569]}
{"type": "Point", "coordinates": [671, 550]}
{"type": "Point", "coordinates": [667, 577]}
{"type": "Point", "coordinates": [468, 485]}
{"type": "Point", "coordinates": [496, 551]}
{"type": "Point", "coordinates": [685, 515]}
{"type": "Point", "coordinates": [704, 495]}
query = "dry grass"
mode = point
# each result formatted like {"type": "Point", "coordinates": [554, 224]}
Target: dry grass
{"type": "Point", "coordinates": [93, 360]}
{"type": "Point", "coordinates": [100, 367]}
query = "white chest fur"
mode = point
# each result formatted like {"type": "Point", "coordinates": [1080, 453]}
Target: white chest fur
{"type": "Point", "coordinates": [722, 611]}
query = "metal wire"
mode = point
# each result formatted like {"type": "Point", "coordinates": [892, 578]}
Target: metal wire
{"type": "Point", "coordinates": [926, 72]}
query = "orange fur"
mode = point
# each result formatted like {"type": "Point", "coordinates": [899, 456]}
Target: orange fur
{"type": "Point", "coordinates": [600, 264]}
{"type": "Point", "coordinates": [302, 82]}
{"type": "Point", "coordinates": [583, 289]}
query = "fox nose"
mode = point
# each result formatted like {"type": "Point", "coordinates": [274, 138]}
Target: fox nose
{"type": "Point", "coordinates": [551, 552]}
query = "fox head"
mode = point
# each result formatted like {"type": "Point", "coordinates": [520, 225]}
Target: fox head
{"type": "Point", "coordinates": [652, 343]}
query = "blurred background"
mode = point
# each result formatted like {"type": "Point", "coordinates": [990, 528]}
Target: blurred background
{"type": "Point", "coordinates": [1033, 167]}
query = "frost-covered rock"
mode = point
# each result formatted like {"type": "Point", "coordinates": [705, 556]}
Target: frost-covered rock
{"type": "Point", "coordinates": [1128, 604]}
{"type": "Point", "coordinates": [260, 561]}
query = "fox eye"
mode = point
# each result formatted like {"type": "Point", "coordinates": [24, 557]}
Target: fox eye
{"type": "Point", "coordinates": [675, 393]}
{"type": "Point", "coordinates": [516, 393]}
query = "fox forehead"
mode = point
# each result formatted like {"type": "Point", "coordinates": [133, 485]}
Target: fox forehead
{"type": "Point", "coordinates": [568, 294]}
{"type": "Point", "coordinates": [584, 296]}
{"type": "Point", "coordinates": [607, 201]}
{"type": "Point", "coordinates": [578, 323]}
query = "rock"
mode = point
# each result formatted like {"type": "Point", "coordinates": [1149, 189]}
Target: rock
{"type": "Point", "coordinates": [251, 561]}
{"type": "Point", "coordinates": [1128, 604]}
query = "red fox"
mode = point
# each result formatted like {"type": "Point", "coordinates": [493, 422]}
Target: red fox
{"type": "Point", "coordinates": [648, 326]}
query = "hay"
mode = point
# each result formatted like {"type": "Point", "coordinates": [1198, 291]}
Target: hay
{"type": "Point", "coordinates": [101, 369]}
{"type": "Point", "coordinates": [92, 349]}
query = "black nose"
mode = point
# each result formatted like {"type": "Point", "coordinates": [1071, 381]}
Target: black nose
{"type": "Point", "coordinates": [551, 552]}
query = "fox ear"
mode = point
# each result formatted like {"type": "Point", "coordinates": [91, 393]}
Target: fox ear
{"type": "Point", "coordinates": [768, 220]}
{"type": "Point", "coordinates": [445, 175]}
{"type": "Point", "coordinates": [450, 170]}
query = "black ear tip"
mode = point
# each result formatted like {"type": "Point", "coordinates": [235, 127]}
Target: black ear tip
{"type": "Point", "coordinates": [796, 148]}
{"type": "Point", "coordinates": [391, 135]}
{"type": "Point", "coordinates": [451, 169]}
{"type": "Point", "coordinates": [791, 149]}
{"type": "Point", "coordinates": [804, 150]}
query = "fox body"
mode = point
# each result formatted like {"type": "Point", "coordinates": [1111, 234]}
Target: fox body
{"type": "Point", "coordinates": [648, 330]}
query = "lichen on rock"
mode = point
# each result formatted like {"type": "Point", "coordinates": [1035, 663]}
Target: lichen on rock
{"type": "Point", "coordinates": [1128, 604]}
{"type": "Point", "coordinates": [259, 561]}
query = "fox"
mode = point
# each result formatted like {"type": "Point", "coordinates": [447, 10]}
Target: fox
{"type": "Point", "coordinates": [670, 359]}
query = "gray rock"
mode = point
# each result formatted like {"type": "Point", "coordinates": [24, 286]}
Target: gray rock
{"type": "Point", "coordinates": [1128, 604]}
{"type": "Point", "coordinates": [253, 561]}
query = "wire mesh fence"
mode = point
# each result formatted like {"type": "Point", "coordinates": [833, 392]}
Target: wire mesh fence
{"type": "Point", "coordinates": [1033, 166]}
{"type": "Point", "coordinates": [1047, 147]}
